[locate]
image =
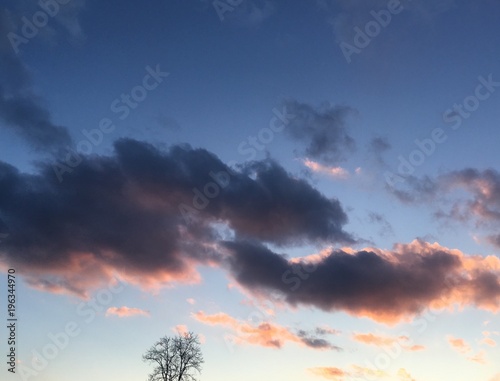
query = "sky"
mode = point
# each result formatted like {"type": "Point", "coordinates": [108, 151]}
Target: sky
{"type": "Point", "coordinates": [311, 187]}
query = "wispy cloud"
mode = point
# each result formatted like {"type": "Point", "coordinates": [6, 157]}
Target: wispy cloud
{"type": "Point", "coordinates": [265, 334]}
{"type": "Point", "coordinates": [462, 347]}
{"type": "Point", "coordinates": [124, 311]}
{"type": "Point", "coordinates": [354, 372]}
{"type": "Point", "coordinates": [386, 341]}
{"type": "Point", "coordinates": [488, 340]}
{"type": "Point", "coordinates": [479, 357]}
{"type": "Point", "coordinates": [330, 373]}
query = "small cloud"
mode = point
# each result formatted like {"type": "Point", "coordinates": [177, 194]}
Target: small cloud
{"type": "Point", "coordinates": [124, 311]}
{"type": "Point", "coordinates": [415, 348]}
{"type": "Point", "coordinates": [367, 373]}
{"type": "Point", "coordinates": [167, 122]}
{"type": "Point", "coordinates": [181, 329]}
{"type": "Point", "coordinates": [321, 130]}
{"type": "Point", "coordinates": [354, 372]}
{"type": "Point", "coordinates": [326, 330]}
{"type": "Point", "coordinates": [191, 301]}
{"type": "Point", "coordinates": [336, 172]}
{"type": "Point", "coordinates": [458, 344]}
{"type": "Point", "coordinates": [487, 340]}
{"type": "Point", "coordinates": [479, 357]}
{"type": "Point", "coordinates": [385, 226]}
{"type": "Point", "coordinates": [330, 373]}
{"type": "Point", "coordinates": [377, 147]}
{"type": "Point", "coordinates": [386, 341]}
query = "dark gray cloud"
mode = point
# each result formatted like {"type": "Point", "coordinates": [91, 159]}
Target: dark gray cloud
{"type": "Point", "coordinates": [125, 212]}
{"type": "Point", "coordinates": [385, 226]}
{"type": "Point", "coordinates": [312, 341]}
{"type": "Point", "coordinates": [27, 117]}
{"type": "Point", "coordinates": [21, 110]}
{"type": "Point", "coordinates": [262, 201]}
{"type": "Point", "coordinates": [322, 130]}
{"type": "Point", "coordinates": [415, 190]}
{"type": "Point", "coordinates": [480, 203]}
{"type": "Point", "coordinates": [385, 286]}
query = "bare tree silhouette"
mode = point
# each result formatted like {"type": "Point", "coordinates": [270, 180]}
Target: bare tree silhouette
{"type": "Point", "coordinates": [176, 358]}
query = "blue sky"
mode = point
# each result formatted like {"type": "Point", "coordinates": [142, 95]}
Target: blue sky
{"type": "Point", "coordinates": [377, 168]}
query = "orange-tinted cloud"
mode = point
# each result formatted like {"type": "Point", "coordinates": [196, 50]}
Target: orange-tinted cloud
{"type": "Point", "coordinates": [385, 285]}
{"type": "Point", "coordinates": [488, 340]}
{"type": "Point", "coordinates": [265, 334]}
{"type": "Point", "coordinates": [181, 329]}
{"type": "Point", "coordinates": [479, 357]}
{"type": "Point", "coordinates": [126, 312]}
{"type": "Point", "coordinates": [461, 346]}
{"type": "Point", "coordinates": [377, 340]}
{"type": "Point", "coordinates": [353, 372]}
{"type": "Point", "coordinates": [369, 373]}
{"type": "Point", "coordinates": [386, 341]}
{"type": "Point", "coordinates": [330, 373]}
{"type": "Point", "coordinates": [458, 344]}
{"type": "Point", "coordinates": [415, 348]}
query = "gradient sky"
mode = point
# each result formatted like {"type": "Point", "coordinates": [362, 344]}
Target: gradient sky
{"type": "Point", "coordinates": [350, 226]}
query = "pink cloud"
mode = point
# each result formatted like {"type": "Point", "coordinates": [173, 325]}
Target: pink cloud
{"type": "Point", "coordinates": [386, 341]}
{"type": "Point", "coordinates": [330, 373]}
{"type": "Point", "coordinates": [265, 334]}
{"type": "Point", "coordinates": [124, 311]}
{"type": "Point", "coordinates": [458, 344]}
{"type": "Point", "coordinates": [336, 172]}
